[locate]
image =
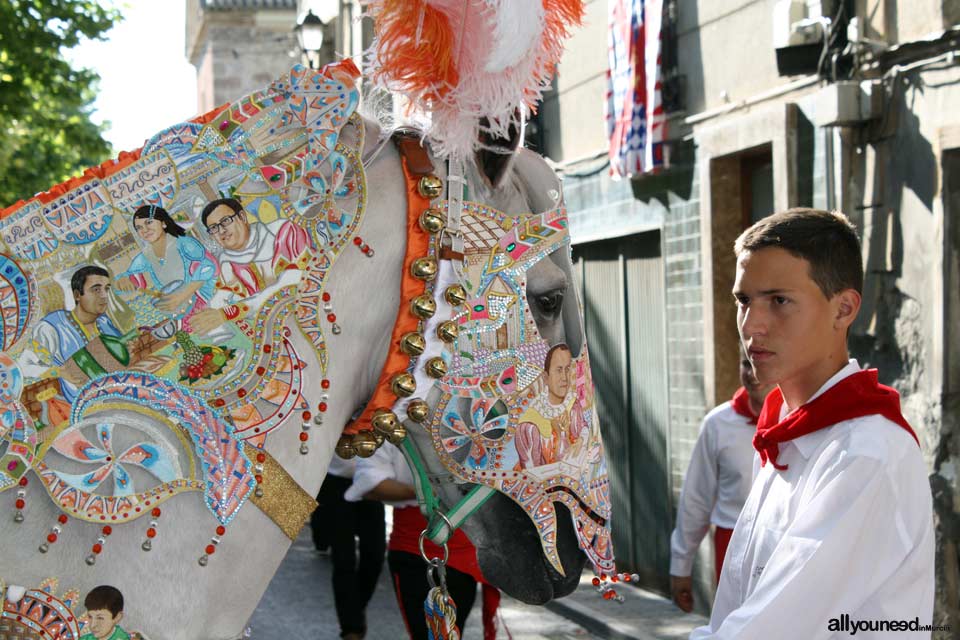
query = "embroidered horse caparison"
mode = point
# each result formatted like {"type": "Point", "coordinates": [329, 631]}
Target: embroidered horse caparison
{"type": "Point", "coordinates": [186, 331]}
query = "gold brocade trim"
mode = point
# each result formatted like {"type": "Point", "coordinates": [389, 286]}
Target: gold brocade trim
{"type": "Point", "coordinates": [284, 501]}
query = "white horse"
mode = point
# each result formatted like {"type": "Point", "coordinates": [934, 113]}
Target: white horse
{"type": "Point", "coordinates": [167, 595]}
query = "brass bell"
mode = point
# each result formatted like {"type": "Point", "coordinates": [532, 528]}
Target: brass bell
{"type": "Point", "coordinates": [345, 448]}
{"type": "Point", "coordinates": [448, 331]}
{"type": "Point", "coordinates": [403, 385]}
{"type": "Point", "coordinates": [418, 410]}
{"type": "Point", "coordinates": [379, 438]}
{"type": "Point", "coordinates": [432, 220]}
{"type": "Point", "coordinates": [384, 420]}
{"type": "Point", "coordinates": [430, 186]}
{"type": "Point", "coordinates": [412, 344]}
{"type": "Point", "coordinates": [364, 444]}
{"type": "Point", "coordinates": [436, 367]}
{"type": "Point", "coordinates": [423, 306]}
{"type": "Point", "coordinates": [455, 294]}
{"type": "Point", "coordinates": [397, 435]}
{"type": "Point", "coordinates": [424, 268]}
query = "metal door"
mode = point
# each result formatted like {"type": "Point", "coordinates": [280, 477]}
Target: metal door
{"type": "Point", "coordinates": [622, 288]}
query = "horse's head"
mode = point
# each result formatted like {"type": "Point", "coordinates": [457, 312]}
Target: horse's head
{"type": "Point", "coordinates": [526, 532]}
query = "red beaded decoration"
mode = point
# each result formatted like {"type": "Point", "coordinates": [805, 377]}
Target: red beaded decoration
{"type": "Point", "coordinates": [606, 590]}
{"type": "Point", "coordinates": [21, 501]}
{"type": "Point", "coordinates": [212, 547]}
{"type": "Point", "coordinates": [328, 309]}
{"type": "Point", "coordinates": [54, 534]}
{"type": "Point", "coordinates": [97, 547]}
{"type": "Point", "coordinates": [364, 247]}
{"type": "Point", "coordinates": [151, 532]}
{"type": "Point", "coordinates": [261, 457]}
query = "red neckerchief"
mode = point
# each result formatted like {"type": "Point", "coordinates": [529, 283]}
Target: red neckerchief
{"type": "Point", "coordinates": [855, 396]}
{"type": "Point", "coordinates": [741, 404]}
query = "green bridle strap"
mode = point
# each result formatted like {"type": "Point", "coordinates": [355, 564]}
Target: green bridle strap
{"type": "Point", "coordinates": [441, 526]}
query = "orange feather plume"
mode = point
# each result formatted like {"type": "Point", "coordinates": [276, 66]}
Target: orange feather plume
{"type": "Point", "coordinates": [415, 56]}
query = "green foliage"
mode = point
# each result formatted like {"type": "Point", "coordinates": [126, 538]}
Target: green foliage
{"type": "Point", "coordinates": [46, 134]}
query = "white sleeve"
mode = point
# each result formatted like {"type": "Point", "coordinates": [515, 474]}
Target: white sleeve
{"type": "Point", "coordinates": [844, 543]}
{"type": "Point", "coordinates": [287, 278]}
{"type": "Point", "coordinates": [370, 472]}
{"type": "Point", "coordinates": [697, 499]}
{"type": "Point", "coordinates": [46, 342]}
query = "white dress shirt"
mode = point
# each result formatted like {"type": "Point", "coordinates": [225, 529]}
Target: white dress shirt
{"type": "Point", "coordinates": [341, 468]}
{"type": "Point", "coordinates": [846, 529]}
{"type": "Point", "coordinates": [387, 463]}
{"type": "Point", "coordinates": [716, 485]}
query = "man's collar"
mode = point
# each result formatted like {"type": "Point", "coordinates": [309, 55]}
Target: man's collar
{"type": "Point", "coordinates": [809, 443]}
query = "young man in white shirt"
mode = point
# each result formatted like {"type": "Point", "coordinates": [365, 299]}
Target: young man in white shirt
{"type": "Point", "coordinates": [717, 482]}
{"type": "Point", "coordinates": [836, 536]}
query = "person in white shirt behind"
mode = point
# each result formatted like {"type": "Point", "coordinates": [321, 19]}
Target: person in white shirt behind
{"type": "Point", "coordinates": [717, 482]}
{"type": "Point", "coordinates": [836, 536]}
{"type": "Point", "coordinates": [386, 476]}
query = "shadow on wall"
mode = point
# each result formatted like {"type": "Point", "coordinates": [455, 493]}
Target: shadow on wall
{"type": "Point", "coordinates": [888, 333]}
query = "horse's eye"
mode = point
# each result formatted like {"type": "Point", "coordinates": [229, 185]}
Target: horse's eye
{"type": "Point", "coordinates": [551, 302]}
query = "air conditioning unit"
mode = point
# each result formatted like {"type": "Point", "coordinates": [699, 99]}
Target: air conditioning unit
{"type": "Point", "coordinates": [797, 38]}
{"type": "Point", "coordinates": [848, 103]}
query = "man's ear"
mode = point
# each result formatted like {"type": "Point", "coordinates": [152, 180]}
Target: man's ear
{"type": "Point", "coordinates": [848, 306]}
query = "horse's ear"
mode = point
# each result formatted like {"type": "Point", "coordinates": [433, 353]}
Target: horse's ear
{"type": "Point", "coordinates": [496, 153]}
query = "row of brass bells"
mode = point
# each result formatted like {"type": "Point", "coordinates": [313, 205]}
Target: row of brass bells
{"type": "Point", "coordinates": [413, 344]}
{"type": "Point", "coordinates": [423, 306]}
{"type": "Point", "coordinates": [436, 367]}
{"type": "Point", "coordinates": [418, 410]}
{"type": "Point", "coordinates": [386, 422]}
{"type": "Point", "coordinates": [430, 186]}
{"type": "Point", "coordinates": [403, 385]}
{"type": "Point", "coordinates": [424, 268]}
{"type": "Point", "coordinates": [362, 444]}
{"type": "Point", "coordinates": [455, 294]}
{"type": "Point", "coordinates": [448, 331]}
{"type": "Point", "coordinates": [432, 221]}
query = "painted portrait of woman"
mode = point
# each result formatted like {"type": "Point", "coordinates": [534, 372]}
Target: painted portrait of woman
{"type": "Point", "coordinates": [172, 266]}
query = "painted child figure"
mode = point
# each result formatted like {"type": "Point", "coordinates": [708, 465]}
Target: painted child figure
{"type": "Point", "coordinates": [104, 606]}
{"type": "Point", "coordinates": [838, 526]}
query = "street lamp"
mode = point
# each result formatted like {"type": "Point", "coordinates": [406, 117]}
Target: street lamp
{"type": "Point", "coordinates": [309, 32]}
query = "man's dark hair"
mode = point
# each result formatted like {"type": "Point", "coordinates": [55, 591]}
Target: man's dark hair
{"type": "Point", "coordinates": [104, 597]}
{"type": "Point", "coordinates": [79, 278]}
{"type": "Point", "coordinates": [827, 240]}
{"type": "Point", "coordinates": [233, 203]}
